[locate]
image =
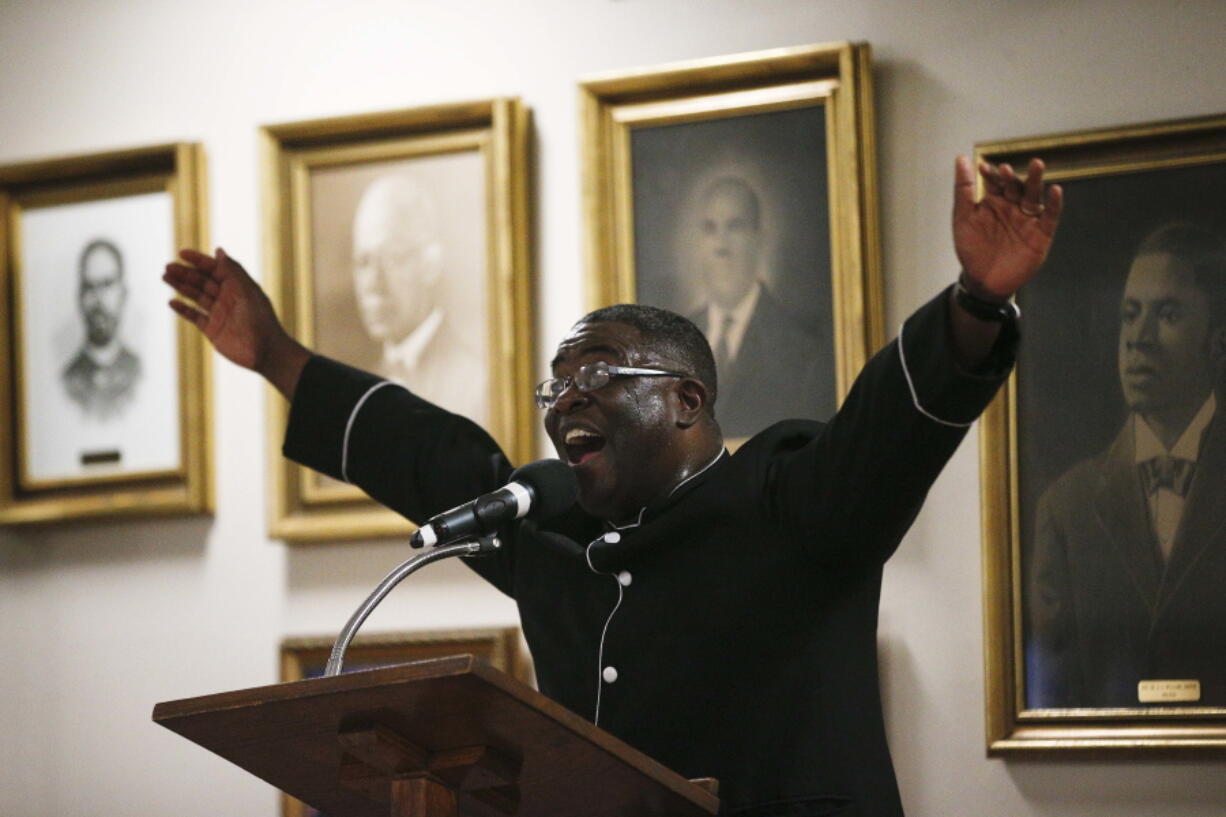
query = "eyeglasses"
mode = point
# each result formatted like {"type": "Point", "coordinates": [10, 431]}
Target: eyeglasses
{"type": "Point", "coordinates": [590, 377]}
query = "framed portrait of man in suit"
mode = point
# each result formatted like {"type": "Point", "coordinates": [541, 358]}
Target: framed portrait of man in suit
{"type": "Point", "coordinates": [107, 409]}
{"type": "Point", "coordinates": [399, 244]}
{"type": "Point", "coordinates": [738, 192]}
{"type": "Point", "coordinates": [1105, 460]}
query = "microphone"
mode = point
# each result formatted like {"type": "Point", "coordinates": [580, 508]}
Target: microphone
{"type": "Point", "coordinates": [538, 490]}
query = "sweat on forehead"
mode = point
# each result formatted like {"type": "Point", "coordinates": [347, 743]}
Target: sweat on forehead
{"type": "Point", "coordinates": [657, 332]}
{"type": "Point", "coordinates": [614, 340]}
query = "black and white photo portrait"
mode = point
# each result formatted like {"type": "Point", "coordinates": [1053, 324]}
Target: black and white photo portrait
{"type": "Point", "coordinates": [399, 274]}
{"type": "Point", "coordinates": [99, 373]}
{"type": "Point", "coordinates": [731, 229]}
{"type": "Point", "coordinates": [1122, 444]}
{"type": "Point", "coordinates": [102, 376]}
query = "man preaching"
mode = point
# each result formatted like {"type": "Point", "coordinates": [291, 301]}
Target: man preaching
{"type": "Point", "coordinates": [717, 612]}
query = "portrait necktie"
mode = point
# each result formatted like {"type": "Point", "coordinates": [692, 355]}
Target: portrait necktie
{"type": "Point", "coordinates": [1172, 473]}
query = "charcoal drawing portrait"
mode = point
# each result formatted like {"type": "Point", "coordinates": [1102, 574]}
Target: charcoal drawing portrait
{"type": "Point", "coordinates": [102, 376]}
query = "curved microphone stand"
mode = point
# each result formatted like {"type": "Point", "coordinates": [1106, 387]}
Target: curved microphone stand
{"type": "Point", "coordinates": [486, 544]}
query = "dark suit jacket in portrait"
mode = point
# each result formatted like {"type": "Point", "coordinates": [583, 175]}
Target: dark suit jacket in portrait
{"type": "Point", "coordinates": [777, 374]}
{"type": "Point", "coordinates": [1103, 609]}
{"type": "Point", "coordinates": [102, 391]}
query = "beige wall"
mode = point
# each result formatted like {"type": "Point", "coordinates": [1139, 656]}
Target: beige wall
{"type": "Point", "coordinates": [97, 623]}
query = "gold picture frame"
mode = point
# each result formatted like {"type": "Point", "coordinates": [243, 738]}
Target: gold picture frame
{"type": "Point", "coordinates": [306, 658]}
{"type": "Point", "coordinates": [106, 404]}
{"type": "Point", "coordinates": [1087, 603]}
{"type": "Point", "coordinates": [451, 184]}
{"type": "Point", "coordinates": [792, 130]}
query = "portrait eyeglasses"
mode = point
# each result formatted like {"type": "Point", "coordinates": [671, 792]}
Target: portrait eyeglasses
{"type": "Point", "coordinates": [591, 376]}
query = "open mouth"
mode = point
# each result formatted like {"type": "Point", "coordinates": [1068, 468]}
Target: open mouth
{"type": "Point", "coordinates": [581, 445]}
{"type": "Point", "coordinates": [1140, 372]}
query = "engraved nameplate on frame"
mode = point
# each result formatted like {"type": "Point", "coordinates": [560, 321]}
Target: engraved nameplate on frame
{"type": "Point", "coordinates": [1153, 692]}
{"type": "Point", "coordinates": [100, 457]}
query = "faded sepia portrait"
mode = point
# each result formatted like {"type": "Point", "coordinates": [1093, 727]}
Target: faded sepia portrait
{"type": "Point", "coordinates": [99, 362]}
{"type": "Point", "coordinates": [731, 229]}
{"type": "Point", "coordinates": [1122, 445]}
{"type": "Point", "coordinates": [399, 267]}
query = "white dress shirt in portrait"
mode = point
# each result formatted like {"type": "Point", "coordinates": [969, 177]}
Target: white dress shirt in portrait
{"type": "Point", "coordinates": [1166, 504]}
{"type": "Point", "coordinates": [442, 367]}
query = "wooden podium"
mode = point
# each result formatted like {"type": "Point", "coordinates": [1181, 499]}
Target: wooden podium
{"type": "Point", "coordinates": [449, 737]}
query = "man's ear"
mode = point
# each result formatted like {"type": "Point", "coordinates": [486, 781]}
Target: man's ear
{"type": "Point", "coordinates": [692, 401]}
{"type": "Point", "coordinates": [1217, 348]}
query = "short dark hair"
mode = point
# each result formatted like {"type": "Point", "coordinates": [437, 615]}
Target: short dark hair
{"type": "Point", "coordinates": [1204, 250]}
{"type": "Point", "coordinates": [99, 244]}
{"type": "Point", "coordinates": [673, 335]}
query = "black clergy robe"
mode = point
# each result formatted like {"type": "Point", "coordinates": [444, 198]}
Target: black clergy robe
{"type": "Point", "coordinates": [732, 632]}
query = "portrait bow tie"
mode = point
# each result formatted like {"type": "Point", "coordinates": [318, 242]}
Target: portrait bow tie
{"type": "Point", "coordinates": [1172, 473]}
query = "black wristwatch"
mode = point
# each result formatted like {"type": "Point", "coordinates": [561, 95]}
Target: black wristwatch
{"type": "Point", "coordinates": [983, 309]}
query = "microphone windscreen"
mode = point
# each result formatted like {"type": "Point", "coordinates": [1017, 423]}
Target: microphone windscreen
{"type": "Point", "coordinates": [553, 485]}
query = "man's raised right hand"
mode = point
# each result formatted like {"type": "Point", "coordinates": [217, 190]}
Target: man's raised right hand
{"type": "Point", "coordinates": [236, 316]}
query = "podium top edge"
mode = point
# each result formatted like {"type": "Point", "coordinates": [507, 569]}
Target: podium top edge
{"type": "Point", "coordinates": [197, 718]}
{"type": "Point", "coordinates": [309, 687]}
